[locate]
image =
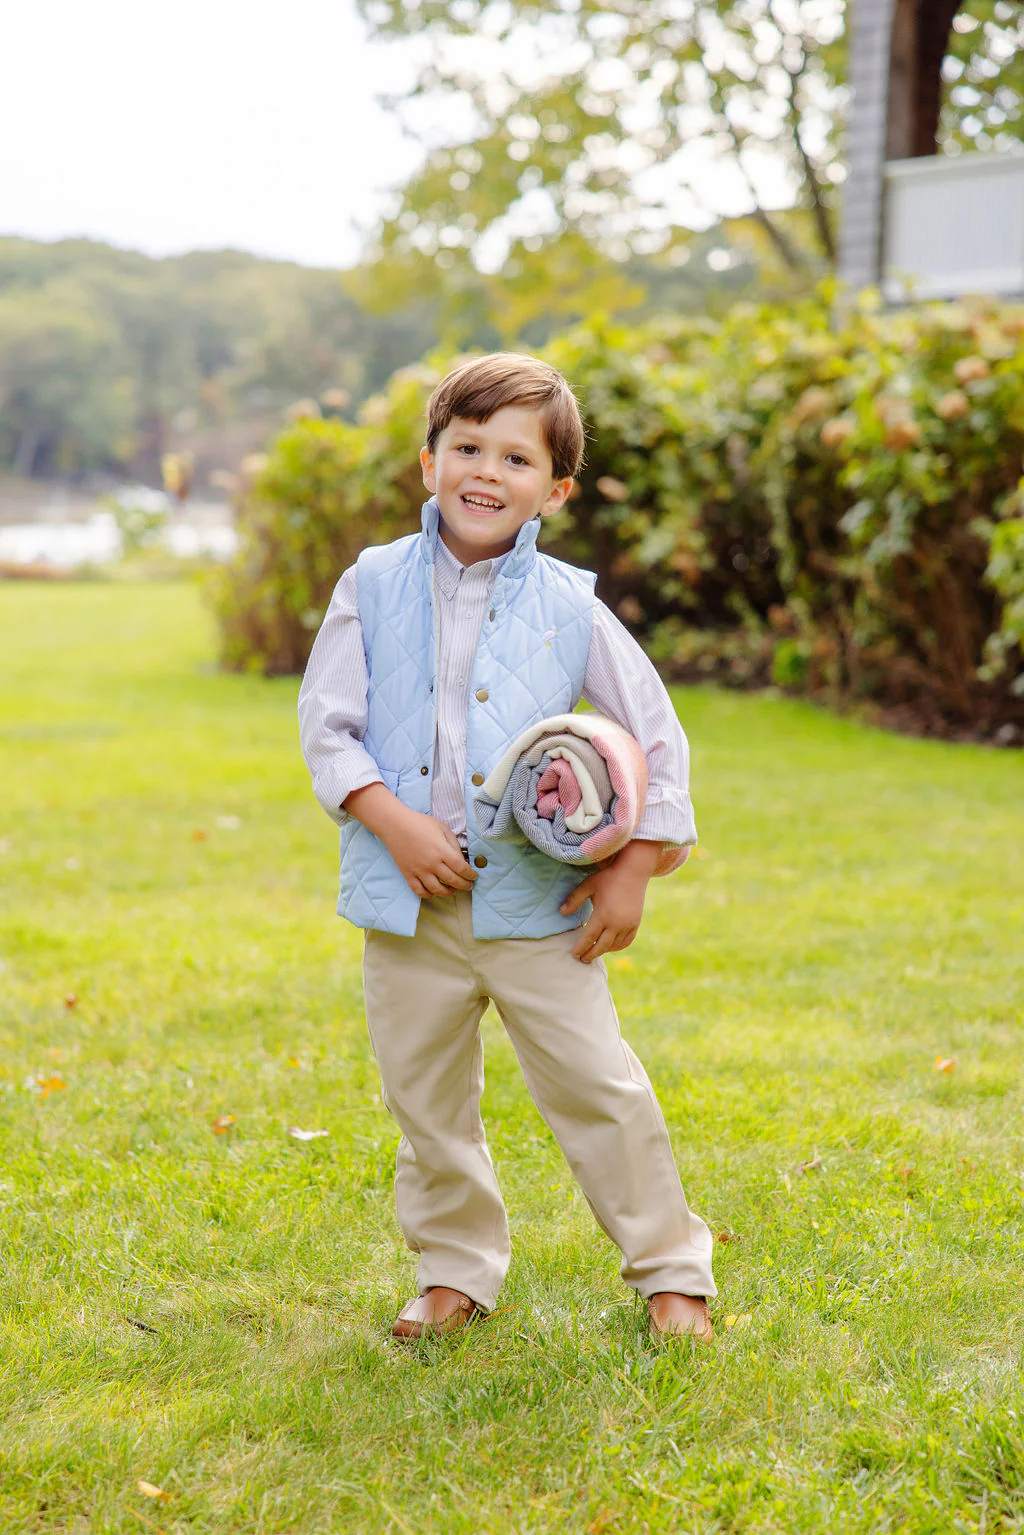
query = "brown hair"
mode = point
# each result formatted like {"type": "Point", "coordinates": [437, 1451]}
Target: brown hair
{"type": "Point", "coordinates": [476, 389]}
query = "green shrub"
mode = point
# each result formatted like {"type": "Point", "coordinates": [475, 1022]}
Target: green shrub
{"type": "Point", "coordinates": [1006, 573]}
{"type": "Point", "coordinates": [829, 503]}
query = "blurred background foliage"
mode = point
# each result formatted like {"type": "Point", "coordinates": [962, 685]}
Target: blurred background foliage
{"type": "Point", "coordinates": [738, 105]}
{"type": "Point", "coordinates": [777, 489]}
{"type": "Point", "coordinates": [547, 202]}
{"type": "Point", "coordinates": [110, 359]}
{"type": "Point", "coordinates": [767, 497]}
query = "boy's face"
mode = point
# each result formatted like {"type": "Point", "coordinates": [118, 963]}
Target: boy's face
{"type": "Point", "coordinates": [491, 477]}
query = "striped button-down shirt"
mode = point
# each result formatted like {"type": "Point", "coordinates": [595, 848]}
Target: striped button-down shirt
{"type": "Point", "coordinates": [620, 681]}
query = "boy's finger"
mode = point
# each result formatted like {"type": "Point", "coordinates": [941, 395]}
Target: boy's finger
{"type": "Point", "coordinates": [456, 871]}
{"type": "Point", "coordinates": [589, 937]}
{"type": "Point", "coordinates": [575, 900]}
{"type": "Point", "coordinates": [455, 881]}
{"type": "Point", "coordinates": [603, 944]}
{"type": "Point", "coordinates": [454, 852]}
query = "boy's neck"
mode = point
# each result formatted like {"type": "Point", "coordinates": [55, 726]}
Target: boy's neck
{"type": "Point", "coordinates": [466, 554]}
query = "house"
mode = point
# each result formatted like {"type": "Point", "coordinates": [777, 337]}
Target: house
{"type": "Point", "coordinates": [916, 223]}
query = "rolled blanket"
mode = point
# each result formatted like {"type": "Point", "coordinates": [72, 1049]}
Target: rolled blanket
{"type": "Point", "coordinates": [574, 785]}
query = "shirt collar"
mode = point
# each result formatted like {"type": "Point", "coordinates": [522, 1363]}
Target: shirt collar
{"type": "Point", "coordinates": [449, 570]}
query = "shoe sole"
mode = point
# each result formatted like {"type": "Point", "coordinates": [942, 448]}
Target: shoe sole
{"type": "Point", "coordinates": [440, 1330]}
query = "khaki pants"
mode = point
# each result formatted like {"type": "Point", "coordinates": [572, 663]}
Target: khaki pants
{"type": "Point", "coordinates": [425, 997]}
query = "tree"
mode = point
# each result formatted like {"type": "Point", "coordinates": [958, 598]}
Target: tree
{"type": "Point", "coordinates": [109, 359]}
{"type": "Point", "coordinates": [599, 131]}
{"type": "Point", "coordinates": [612, 128]}
{"type": "Point", "coordinates": [983, 72]}
{"type": "Point", "coordinates": [61, 402]}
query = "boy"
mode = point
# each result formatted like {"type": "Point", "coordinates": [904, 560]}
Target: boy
{"type": "Point", "coordinates": [437, 651]}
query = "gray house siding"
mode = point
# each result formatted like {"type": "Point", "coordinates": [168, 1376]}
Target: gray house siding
{"type": "Point", "coordinates": [860, 240]}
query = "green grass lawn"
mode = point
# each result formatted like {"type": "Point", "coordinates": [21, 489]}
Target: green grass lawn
{"type": "Point", "coordinates": [210, 1312]}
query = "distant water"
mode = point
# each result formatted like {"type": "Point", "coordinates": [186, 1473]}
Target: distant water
{"type": "Point", "coordinates": [97, 541]}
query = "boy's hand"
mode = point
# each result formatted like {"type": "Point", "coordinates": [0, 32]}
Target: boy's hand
{"type": "Point", "coordinates": [617, 892]}
{"type": "Point", "coordinates": [425, 850]}
{"type": "Point", "coordinates": [429, 856]}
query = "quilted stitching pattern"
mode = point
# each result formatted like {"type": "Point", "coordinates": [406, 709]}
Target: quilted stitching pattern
{"type": "Point", "coordinates": [531, 661]}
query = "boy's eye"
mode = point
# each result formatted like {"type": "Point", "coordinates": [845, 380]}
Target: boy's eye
{"type": "Point", "coordinates": [468, 447]}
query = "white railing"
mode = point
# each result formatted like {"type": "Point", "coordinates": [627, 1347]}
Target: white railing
{"type": "Point", "coordinates": [953, 225]}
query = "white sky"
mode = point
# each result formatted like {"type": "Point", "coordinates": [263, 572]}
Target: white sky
{"type": "Point", "coordinates": [201, 124]}
{"type": "Point", "coordinates": [198, 123]}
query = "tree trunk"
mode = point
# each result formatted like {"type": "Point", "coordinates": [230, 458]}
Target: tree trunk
{"type": "Point", "coordinates": [920, 33]}
{"type": "Point", "coordinates": [28, 448]}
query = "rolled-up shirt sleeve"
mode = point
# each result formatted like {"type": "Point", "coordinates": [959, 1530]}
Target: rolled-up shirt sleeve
{"type": "Point", "coordinates": [332, 704]}
{"type": "Point", "coordinates": [621, 682]}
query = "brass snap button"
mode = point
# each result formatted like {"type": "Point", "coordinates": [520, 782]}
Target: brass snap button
{"type": "Point", "coordinates": [480, 861]}
{"type": "Point", "coordinates": [482, 695]}
{"type": "Point", "coordinates": [478, 779]}
{"type": "Point", "coordinates": [424, 771]}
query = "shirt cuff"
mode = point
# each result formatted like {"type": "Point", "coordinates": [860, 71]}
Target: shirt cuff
{"type": "Point", "coordinates": [668, 818]}
{"type": "Point", "coordinates": [352, 770]}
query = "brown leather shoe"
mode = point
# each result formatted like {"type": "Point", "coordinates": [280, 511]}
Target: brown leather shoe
{"type": "Point", "coordinates": [678, 1316]}
{"type": "Point", "coordinates": [439, 1311]}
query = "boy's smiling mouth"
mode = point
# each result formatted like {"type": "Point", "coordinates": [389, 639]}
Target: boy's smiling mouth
{"type": "Point", "coordinates": [481, 503]}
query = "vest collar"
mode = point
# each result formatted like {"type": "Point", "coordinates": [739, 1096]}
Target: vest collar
{"type": "Point", "coordinates": [521, 556]}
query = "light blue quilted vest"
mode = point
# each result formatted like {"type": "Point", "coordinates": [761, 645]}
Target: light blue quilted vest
{"type": "Point", "coordinates": [530, 663]}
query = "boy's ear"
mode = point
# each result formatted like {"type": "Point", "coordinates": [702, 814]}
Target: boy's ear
{"type": "Point", "coordinates": [429, 469]}
{"type": "Point", "coordinates": [558, 497]}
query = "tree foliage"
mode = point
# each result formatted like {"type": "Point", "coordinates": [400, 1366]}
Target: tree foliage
{"type": "Point", "coordinates": [107, 357]}
{"type": "Point", "coordinates": [984, 78]}
{"type": "Point", "coordinates": [764, 496]}
{"type": "Point", "coordinates": [596, 118]}
{"type": "Point", "coordinates": [592, 131]}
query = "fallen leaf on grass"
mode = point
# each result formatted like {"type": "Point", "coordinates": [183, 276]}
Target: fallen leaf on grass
{"type": "Point", "coordinates": [70, 1000]}
{"type": "Point", "coordinates": [222, 1124]}
{"type": "Point", "coordinates": [728, 1236]}
{"type": "Point", "coordinates": [304, 1135]}
{"type": "Point", "coordinates": [199, 835]}
{"type": "Point", "coordinates": [601, 1521]}
{"type": "Point", "coordinates": [906, 1173]}
{"type": "Point", "coordinates": [945, 1063]}
{"type": "Point", "coordinates": [738, 1321]}
{"type": "Point", "coordinates": [149, 1491]}
{"type": "Point", "coordinates": [812, 1165]}
{"type": "Point", "coordinates": [294, 1061]}
{"type": "Point", "coordinates": [44, 1086]}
